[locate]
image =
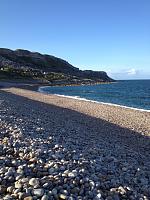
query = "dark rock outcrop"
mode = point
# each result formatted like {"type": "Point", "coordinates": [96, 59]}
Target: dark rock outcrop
{"type": "Point", "coordinates": [46, 63]}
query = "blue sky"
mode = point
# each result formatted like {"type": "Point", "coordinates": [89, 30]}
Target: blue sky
{"type": "Point", "coordinates": [110, 35]}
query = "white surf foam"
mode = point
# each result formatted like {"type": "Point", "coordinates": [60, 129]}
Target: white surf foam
{"type": "Point", "coordinates": [99, 102]}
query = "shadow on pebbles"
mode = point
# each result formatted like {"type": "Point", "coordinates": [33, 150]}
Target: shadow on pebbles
{"type": "Point", "coordinates": [42, 159]}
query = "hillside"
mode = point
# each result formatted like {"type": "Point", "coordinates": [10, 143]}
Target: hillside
{"type": "Point", "coordinates": [23, 64]}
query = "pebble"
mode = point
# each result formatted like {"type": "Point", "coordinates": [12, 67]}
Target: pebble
{"type": "Point", "coordinates": [98, 196]}
{"type": "Point", "coordinates": [34, 182]}
{"type": "Point", "coordinates": [18, 185]}
{"type": "Point", "coordinates": [28, 198]}
{"type": "Point", "coordinates": [45, 197]}
{"type": "Point", "coordinates": [62, 196]}
{"type": "Point", "coordinates": [10, 189]}
{"type": "Point", "coordinates": [54, 191]}
{"type": "Point", "coordinates": [41, 161]}
{"type": "Point", "coordinates": [71, 174]}
{"type": "Point", "coordinates": [2, 189]}
{"type": "Point", "coordinates": [38, 192]}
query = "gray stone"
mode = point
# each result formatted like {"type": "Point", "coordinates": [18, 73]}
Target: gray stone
{"type": "Point", "coordinates": [45, 197]}
{"type": "Point", "coordinates": [34, 182]}
{"type": "Point", "coordinates": [38, 192]}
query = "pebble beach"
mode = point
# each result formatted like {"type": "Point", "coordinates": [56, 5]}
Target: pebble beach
{"type": "Point", "coordinates": [53, 147]}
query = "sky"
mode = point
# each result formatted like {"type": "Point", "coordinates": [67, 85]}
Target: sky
{"type": "Point", "coordinates": [108, 35]}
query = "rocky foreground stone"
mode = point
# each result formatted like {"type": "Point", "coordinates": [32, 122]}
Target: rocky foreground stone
{"type": "Point", "coordinates": [47, 152]}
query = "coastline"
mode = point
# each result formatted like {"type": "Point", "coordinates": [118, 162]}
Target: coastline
{"type": "Point", "coordinates": [36, 87]}
{"type": "Point", "coordinates": [104, 103]}
{"type": "Point", "coordinates": [99, 102]}
{"type": "Point", "coordinates": [96, 109]}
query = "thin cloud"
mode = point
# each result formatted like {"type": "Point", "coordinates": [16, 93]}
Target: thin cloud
{"type": "Point", "coordinates": [125, 74]}
{"type": "Point", "coordinates": [132, 71]}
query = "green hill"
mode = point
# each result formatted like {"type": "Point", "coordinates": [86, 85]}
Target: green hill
{"type": "Point", "coordinates": [26, 65]}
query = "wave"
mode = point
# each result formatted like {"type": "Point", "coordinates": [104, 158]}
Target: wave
{"type": "Point", "coordinates": [99, 102]}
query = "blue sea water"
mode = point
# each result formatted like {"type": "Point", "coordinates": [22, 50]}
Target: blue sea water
{"type": "Point", "coordinates": [131, 93]}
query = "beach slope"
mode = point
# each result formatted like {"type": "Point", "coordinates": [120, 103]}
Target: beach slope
{"type": "Point", "coordinates": [54, 147]}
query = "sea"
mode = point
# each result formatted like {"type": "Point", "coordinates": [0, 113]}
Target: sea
{"type": "Point", "coordinates": [134, 94]}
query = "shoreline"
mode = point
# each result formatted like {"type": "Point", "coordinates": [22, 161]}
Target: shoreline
{"type": "Point", "coordinates": [36, 87]}
{"type": "Point", "coordinates": [63, 148]}
{"type": "Point", "coordinates": [104, 103]}
{"type": "Point", "coordinates": [75, 103]}
{"type": "Point", "coordinates": [99, 102]}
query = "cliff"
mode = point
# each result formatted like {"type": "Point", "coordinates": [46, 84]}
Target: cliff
{"type": "Point", "coordinates": [47, 66]}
